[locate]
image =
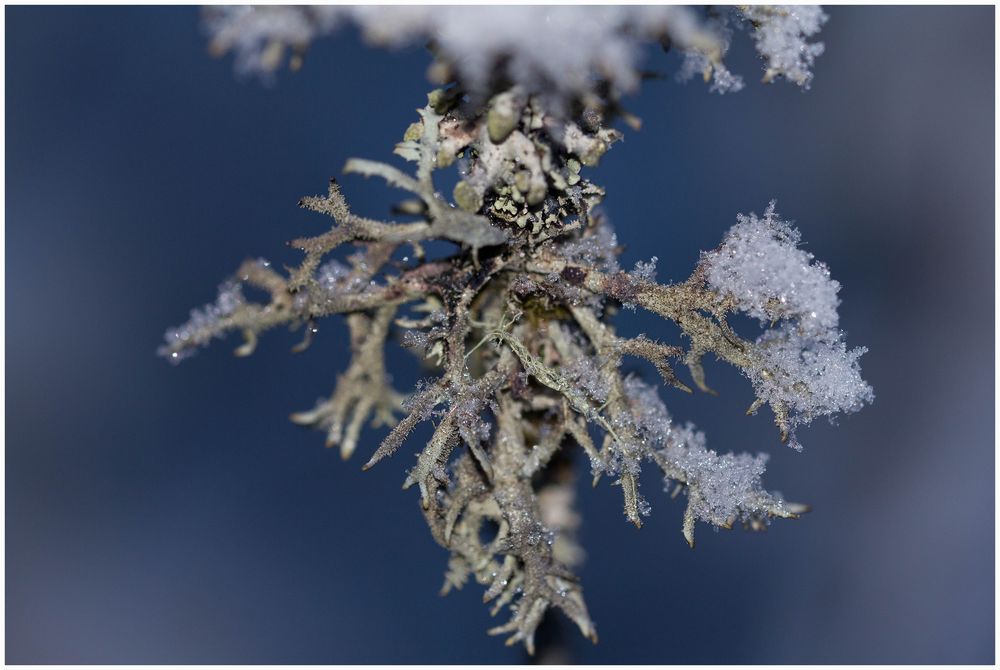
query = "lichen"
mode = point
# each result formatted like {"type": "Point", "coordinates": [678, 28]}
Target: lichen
{"type": "Point", "coordinates": [515, 323]}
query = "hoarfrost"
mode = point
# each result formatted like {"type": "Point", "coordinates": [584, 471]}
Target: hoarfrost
{"type": "Point", "coordinates": [697, 63]}
{"type": "Point", "coordinates": [760, 265]}
{"type": "Point", "coordinates": [780, 34]}
{"type": "Point", "coordinates": [417, 340]}
{"type": "Point", "coordinates": [645, 270]}
{"type": "Point", "coordinates": [585, 373]}
{"type": "Point", "coordinates": [471, 426]}
{"type": "Point", "coordinates": [805, 366]}
{"type": "Point", "coordinates": [814, 375]}
{"type": "Point", "coordinates": [332, 275]}
{"type": "Point", "coordinates": [559, 51]}
{"type": "Point", "coordinates": [650, 417]}
{"type": "Point", "coordinates": [598, 250]}
{"type": "Point", "coordinates": [258, 35]}
{"type": "Point", "coordinates": [203, 324]}
{"type": "Point", "coordinates": [721, 488]}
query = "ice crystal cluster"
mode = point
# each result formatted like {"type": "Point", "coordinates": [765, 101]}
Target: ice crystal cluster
{"type": "Point", "coordinates": [807, 370]}
{"type": "Point", "coordinates": [514, 324]}
{"type": "Point", "coordinates": [564, 50]}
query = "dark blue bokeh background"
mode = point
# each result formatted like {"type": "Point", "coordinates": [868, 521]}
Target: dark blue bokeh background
{"type": "Point", "coordinates": [159, 514]}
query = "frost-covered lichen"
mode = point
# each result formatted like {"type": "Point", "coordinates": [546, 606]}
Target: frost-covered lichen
{"type": "Point", "coordinates": [552, 51]}
{"type": "Point", "coordinates": [781, 34]}
{"type": "Point", "coordinates": [205, 323]}
{"type": "Point", "coordinates": [811, 374]}
{"type": "Point", "coordinates": [804, 369]}
{"type": "Point", "coordinates": [761, 268]}
{"type": "Point", "coordinates": [514, 322]}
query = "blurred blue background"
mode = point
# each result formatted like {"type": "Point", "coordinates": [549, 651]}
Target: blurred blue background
{"type": "Point", "coordinates": [158, 514]}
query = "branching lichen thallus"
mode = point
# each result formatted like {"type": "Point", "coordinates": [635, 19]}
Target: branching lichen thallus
{"type": "Point", "coordinates": [515, 324]}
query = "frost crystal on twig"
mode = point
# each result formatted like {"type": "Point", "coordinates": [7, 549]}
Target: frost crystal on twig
{"type": "Point", "coordinates": [515, 321]}
{"type": "Point", "coordinates": [811, 374]}
{"type": "Point", "coordinates": [781, 34]}
{"type": "Point", "coordinates": [205, 323]}
{"type": "Point", "coordinates": [805, 369]}
{"type": "Point", "coordinates": [760, 266]}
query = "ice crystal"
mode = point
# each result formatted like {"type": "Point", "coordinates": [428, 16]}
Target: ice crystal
{"type": "Point", "coordinates": [761, 267]}
{"type": "Point", "coordinates": [556, 51]}
{"type": "Point", "coordinates": [700, 64]}
{"type": "Point", "coordinates": [813, 374]}
{"type": "Point", "coordinates": [645, 270]}
{"type": "Point", "coordinates": [259, 35]}
{"type": "Point", "coordinates": [205, 323]}
{"type": "Point", "coordinates": [585, 371]}
{"type": "Point", "coordinates": [721, 488]}
{"type": "Point", "coordinates": [781, 34]}
{"type": "Point", "coordinates": [648, 414]}
{"type": "Point", "coordinates": [416, 339]}
{"type": "Point", "coordinates": [599, 249]}
{"type": "Point", "coordinates": [332, 276]}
